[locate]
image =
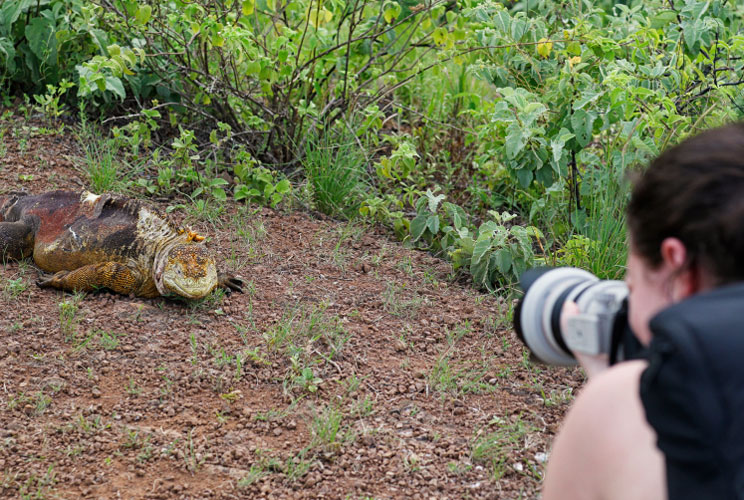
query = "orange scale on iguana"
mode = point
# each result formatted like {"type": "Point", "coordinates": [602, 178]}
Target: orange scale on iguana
{"type": "Point", "coordinates": [108, 241]}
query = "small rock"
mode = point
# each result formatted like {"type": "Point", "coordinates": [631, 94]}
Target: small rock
{"type": "Point", "coordinates": [95, 392]}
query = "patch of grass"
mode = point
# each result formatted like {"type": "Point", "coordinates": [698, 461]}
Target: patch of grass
{"type": "Point", "coordinates": [461, 330]}
{"type": "Point", "coordinates": [328, 429]}
{"type": "Point", "coordinates": [307, 339]}
{"type": "Point", "coordinates": [132, 388]}
{"type": "Point", "coordinates": [13, 288]}
{"type": "Point", "coordinates": [107, 340]}
{"type": "Point", "coordinates": [312, 331]}
{"type": "Point", "coordinates": [205, 209]}
{"type": "Point", "coordinates": [38, 487]}
{"type": "Point", "coordinates": [91, 425]}
{"type": "Point", "coordinates": [336, 174]}
{"type": "Point", "coordinates": [210, 301]}
{"type": "Point", "coordinates": [35, 404]}
{"type": "Point", "coordinates": [496, 447]}
{"type": "Point", "coordinates": [193, 459]}
{"type": "Point", "coordinates": [255, 473]}
{"type": "Point", "coordinates": [554, 397]}
{"type": "Point", "coordinates": [394, 304]}
{"type": "Point", "coordinates": [68, 316]}
{"type": "Point", "coordinates": [362, 408]}
{"type": "Point", "coordinates": [351, 231]}
{"type": "Point", "coordinates": [445, 378]}
{"type": "Point", "coordinates": [100, 164]}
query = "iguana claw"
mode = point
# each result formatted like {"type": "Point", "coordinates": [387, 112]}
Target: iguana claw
{"type": "Point", "coordinates": [45, 280]}
{"type": "Point", "coordinates": [231, 283]}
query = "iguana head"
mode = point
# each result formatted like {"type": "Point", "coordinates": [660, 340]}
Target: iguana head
{"type": "Point", "coordinates": [188, 269]}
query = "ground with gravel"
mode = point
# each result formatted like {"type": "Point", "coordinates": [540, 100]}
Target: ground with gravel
{"type": "Point", "coordinates": [350, 367]}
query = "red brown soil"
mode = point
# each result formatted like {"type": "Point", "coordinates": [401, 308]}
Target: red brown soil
{"type": "Point", "coordinates": [132, 398]}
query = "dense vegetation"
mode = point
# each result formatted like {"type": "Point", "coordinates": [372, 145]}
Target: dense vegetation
{"type": "Point", "coordinates": [497, 134]}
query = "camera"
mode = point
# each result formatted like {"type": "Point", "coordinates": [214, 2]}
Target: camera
{"type": "Point", "coordinates": [600, 327]}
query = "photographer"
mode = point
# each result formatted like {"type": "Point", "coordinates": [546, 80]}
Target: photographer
{"type": "Point", "coordinates": [671, 426]}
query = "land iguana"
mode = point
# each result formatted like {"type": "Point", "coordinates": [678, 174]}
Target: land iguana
{"type": "Point", "coordinates": [108, 241]}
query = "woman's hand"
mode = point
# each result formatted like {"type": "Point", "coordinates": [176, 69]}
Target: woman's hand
{"type": "Point", "coordinates": [592, 364]}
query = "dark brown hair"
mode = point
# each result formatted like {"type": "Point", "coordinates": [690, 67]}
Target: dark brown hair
{"type": "Point", "coordinates": [695, 192]}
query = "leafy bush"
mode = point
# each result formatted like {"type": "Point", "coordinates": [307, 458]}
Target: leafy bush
{"type": "Point", "coordinates": [270, 69]}
{"type": "Point", "coordinates": [494, 254]}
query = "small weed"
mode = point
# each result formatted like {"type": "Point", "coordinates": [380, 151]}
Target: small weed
{"type": "Point", "coordinates": [296, 467]}
{"type": "Point", "coordinates": [329, 433]}
{"type": "Point", "coordinates": [17, 400]}
{"type": "Point", "coordinates": [90, 425]}
{"type": "Point", "coordinates": [392, 302]}
{"type": "Point", "coordinates": [350, 231]}
{"type": "Point", "coordinates": [494, 448]}
{"type": "Point", "coordinates": [300, 332]}
{"type": "Point", "coordinates": [68, 319]}
{"type": "Point", "coordinates": [270, 415]}
{"type": "Point", "coordinates": [132, 388]}
{"type": "Point", "coordinates": [37, 403]}
{"type": "Point", "coordinates": [458, 468]}
{"type": "Point", "coordinates": [363, 407]}
{"type": "Point", "coordinates": [193, 459]}
{"type": "Point", "coordinates": [307, 380]}
{"type": "Point", "coordinates": [38, 487]}
{"type": "Point", "coordinates": [135, 440]}
{"type": "Point", "coordinates": [167, 388]}
{"type": "Point", "coordinates": [351, 383]}
{"type": "Point", "coordinates": [405, 265]}
{"type": "Point", "coordinates": [74, 451]}
{"type": "Point", "coordinates": [255, 473]}
{"type": "Point", "coordinates": [108, 340]}
{"type": "Point", "coordinates": [13, 288]}
{"type": "Point", "coordinates": [205, 209]}
{"type": "Point", "coordinates": [411, 462]}
{"type": "Point", "coordinates": [445, 379]}
{"type": "Point", "coordinates": [41, 403]}
{"type": "Point", "coordinates": [460, 331]}
{"type": "Point", "coordinates": [194, 349]}
{"type": "Point", "coordinates": [555, 397]}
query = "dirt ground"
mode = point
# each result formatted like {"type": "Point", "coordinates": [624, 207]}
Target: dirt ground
{"type": "Point", "coordinates": [351, 367]}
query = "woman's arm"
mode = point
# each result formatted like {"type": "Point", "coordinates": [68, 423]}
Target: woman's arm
{"type": "Point", "coordinates": [605, 448]}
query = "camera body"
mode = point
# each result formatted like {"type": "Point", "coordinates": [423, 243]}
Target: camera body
{"type": "Point", "coordinates": [600, 327]}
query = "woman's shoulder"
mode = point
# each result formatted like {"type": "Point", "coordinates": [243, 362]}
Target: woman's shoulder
{"type": "Point", "coordinates": [608, 410]}
{"type": "Point", "coordinates": [612, 387]}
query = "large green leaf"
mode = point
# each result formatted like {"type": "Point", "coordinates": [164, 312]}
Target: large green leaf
{"type": "Point", "coordinates": [418, 226]}
{"type": "Point", "coordinates": [432, 222]}
{"type": "Point", "coordinates": [481, 248]}
{"type": "Point", "coordinates": [479, 270]}
{"type": "Point", "coordinates": [41, 40]}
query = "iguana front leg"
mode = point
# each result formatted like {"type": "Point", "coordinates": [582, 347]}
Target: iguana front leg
{"type": "Point", "coordinates": [16, 240]}
{"type": "Point", "coordinates": [112, 275]}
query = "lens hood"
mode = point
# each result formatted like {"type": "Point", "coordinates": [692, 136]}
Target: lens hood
{"type": "Point", "coordinates": [545, 292]}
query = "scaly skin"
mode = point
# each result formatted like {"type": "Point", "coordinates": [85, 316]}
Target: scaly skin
{"type": "Point", "coordinates": [107, 241]}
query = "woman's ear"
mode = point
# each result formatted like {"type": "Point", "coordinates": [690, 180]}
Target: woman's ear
{"type": "Point", "coordinates": [685, 278]}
